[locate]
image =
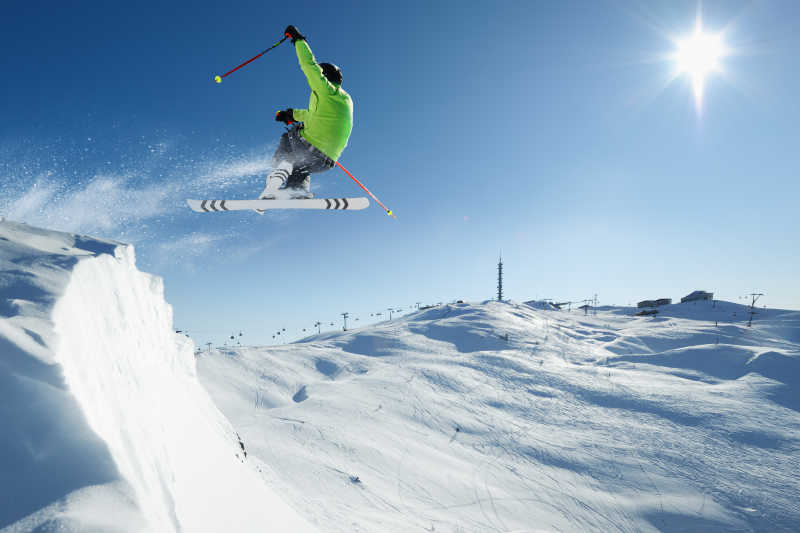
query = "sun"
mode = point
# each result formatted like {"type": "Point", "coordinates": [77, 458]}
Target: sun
{"type": "Point", "coordinates": [699, 55]}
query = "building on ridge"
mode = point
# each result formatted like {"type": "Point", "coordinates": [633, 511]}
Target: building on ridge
{"type": "Point", "coordinates": [697, 296]}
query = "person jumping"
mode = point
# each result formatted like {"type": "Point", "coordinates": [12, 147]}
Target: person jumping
{"type": "Point", "coordinates": [315, 137]}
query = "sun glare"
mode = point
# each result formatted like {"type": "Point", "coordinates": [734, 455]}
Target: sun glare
{"type": "Point", "coordinates": [697, 56]}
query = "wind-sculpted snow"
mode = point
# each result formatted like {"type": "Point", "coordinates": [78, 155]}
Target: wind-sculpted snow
{"type": "Point", "coordinates": [500, 417]}
{"type": "Point", "coordinates": [104, 424]}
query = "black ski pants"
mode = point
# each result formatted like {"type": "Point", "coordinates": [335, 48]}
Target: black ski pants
{"type": "Point", "coordinates": [304, 157]}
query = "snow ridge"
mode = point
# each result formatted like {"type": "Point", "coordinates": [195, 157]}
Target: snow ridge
{"type": "Point", "coordinates": [108, 426]}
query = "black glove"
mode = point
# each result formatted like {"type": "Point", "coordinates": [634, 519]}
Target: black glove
{"type": "Point", "coordinates": [292, 33]}
{"type": "Point", "coordinates": [286, 116]}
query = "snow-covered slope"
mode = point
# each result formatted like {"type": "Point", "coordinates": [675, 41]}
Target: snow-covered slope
{"type": "Point", "coordinates": [502, 417]}
{"type": "Point", "coordinates": [103, 423]}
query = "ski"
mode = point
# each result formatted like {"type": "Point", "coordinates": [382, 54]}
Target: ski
{"type": "Point", "coordinates": [208, 206]}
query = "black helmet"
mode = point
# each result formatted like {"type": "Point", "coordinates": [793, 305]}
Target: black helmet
{"type": "Point", "coordinates": [332, 72]}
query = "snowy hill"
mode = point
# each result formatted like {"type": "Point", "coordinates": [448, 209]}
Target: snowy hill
{"type": "Point", "coordinates": [103, 423]}
{"type": "Point", "coordinates": [503, 417]}
{"type": "Point", "coordinates": [464, 417]}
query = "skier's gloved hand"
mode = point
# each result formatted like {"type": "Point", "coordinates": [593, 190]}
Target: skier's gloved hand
{"type": "Point", "coordinates": [292, 33]}
{"type": "Point", "coordinates": [286, 116]}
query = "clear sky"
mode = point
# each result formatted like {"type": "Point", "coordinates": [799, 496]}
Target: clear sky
{"type": "Point", "coordinates": [557, 132]}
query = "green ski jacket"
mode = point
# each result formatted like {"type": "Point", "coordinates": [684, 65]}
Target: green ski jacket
{"type": "Point", "coordinates": [329, 117]}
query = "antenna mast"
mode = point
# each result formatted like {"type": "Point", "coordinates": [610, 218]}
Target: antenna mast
{"type": "Point", "coordinates": [500, 279]}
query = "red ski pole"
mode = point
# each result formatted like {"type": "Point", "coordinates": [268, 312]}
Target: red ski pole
{"type": "Point", "coordinates": [218, 79]}
{"type": "Point", "coordinates": [388, 211]}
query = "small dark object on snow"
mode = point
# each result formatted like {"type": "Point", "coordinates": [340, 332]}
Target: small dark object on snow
{"type": "Point", "coordinates": [355, 479]}
{"type": "Point", "coordinates": [241, 444]}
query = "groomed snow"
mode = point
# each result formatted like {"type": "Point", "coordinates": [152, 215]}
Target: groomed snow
{"type": "Point", "coordinates": [105, 426]}
{"type": "Point", "coordinates": [435, 422]}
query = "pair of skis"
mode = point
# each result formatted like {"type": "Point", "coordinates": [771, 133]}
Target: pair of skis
{"type": "Point", "coordinates": [333, 204]}
{"type": "Point", "coordinates": [262, 205]}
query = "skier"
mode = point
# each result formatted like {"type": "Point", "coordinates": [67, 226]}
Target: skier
{"type": "Point", "coordinates": [315, 137]}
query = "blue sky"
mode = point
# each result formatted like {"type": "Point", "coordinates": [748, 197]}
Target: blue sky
{"type": "Point", "coordinates": [553, 131]}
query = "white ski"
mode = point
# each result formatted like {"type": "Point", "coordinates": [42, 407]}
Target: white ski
{"type": "Point", "coordinates": [207, 206]}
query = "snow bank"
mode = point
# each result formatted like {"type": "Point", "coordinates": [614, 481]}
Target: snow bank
{"type": "Point", "coordinates": [105, 425]}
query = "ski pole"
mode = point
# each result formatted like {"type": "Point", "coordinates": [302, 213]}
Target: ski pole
{"type": "Point", "coordinates": [218, 79]}
{"type": "Point", "coordinates": [388, 211]}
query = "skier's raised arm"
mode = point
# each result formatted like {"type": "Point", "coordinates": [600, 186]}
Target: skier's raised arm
{"type": "Point", "coordinates": [313, 71]}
